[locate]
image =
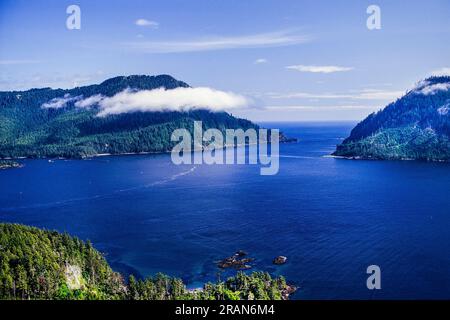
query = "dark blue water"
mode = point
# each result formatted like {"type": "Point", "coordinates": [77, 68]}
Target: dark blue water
{"type": "Point", "coordinates": [331, 217]}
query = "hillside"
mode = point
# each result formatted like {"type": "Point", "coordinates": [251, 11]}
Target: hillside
{"type": "Point", "coordinates": [40, 264]}
{"type": "Point", "coordinates": [47, 122]}
{"type": "Point", "coordinates": [415, 127]}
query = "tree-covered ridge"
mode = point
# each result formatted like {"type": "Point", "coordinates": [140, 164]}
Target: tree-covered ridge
{"type": "Point", "coordinates": [40, 264]}
{"type": "Point", "coordinates": [27, 129]}
{"type": "Point", "coordinates": [37, 264]}
{"type": "Point", "coordinates": [416, 126]}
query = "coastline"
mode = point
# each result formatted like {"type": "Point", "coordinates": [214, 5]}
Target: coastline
{"type": "Point", "coordinates": [8, 164]}
{"type": "Point", "coordinates": [382, 159]}
{"type": "Point", "coordinates": [291, 140]}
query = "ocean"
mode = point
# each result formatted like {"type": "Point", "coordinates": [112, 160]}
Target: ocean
{"type": "Point", "coordinates": [331, 218]}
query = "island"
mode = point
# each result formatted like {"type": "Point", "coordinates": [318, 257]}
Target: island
{"type": "Point", "coordinates": [69, 123]}
{"type": "Point", "coordinates": [415, 127]}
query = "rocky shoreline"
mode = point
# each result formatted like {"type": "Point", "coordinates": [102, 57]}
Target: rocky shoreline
{"type": "Point", "coordinates": [9, 165]}
{"type": "Point", "coordinates": [240, 261]}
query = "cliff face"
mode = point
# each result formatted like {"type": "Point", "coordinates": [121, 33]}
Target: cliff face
{"type": "Point", "coordinates": [416, 126]}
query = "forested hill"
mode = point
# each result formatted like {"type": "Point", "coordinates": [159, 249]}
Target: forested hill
{"type": "Point", "coordinates": [47, 122]}
{"type": "Point", "coordinates": [40, 264]}
{"type": "Point", "coordinates": [416, 126]}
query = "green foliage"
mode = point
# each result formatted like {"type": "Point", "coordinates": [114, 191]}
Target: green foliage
{"type": "Point", "coordinates": [416, 126]}
{"type": "Point", "coordinates": [34, 264]}
{"type": "Point", "coordinates": [40, 264]}
{"type": "Point", "coordinates": [7, 164]}
{"type": "Point", "coordinates": [27, 129]}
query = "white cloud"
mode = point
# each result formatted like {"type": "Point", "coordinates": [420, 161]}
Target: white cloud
{"type": "Point", "coordinates": [179, 99]}
{"type": "Point", "coordinates": [260, 61]}
{"type": "Point", "coordinates": [441, 72]}
{"type": "Point", "coordinates": [90, 101]}
{"type": "Point", "coordinates": [318, 69]}
{"type": "Point", "coordinates": [426, 89]}
{"type": "Point", "coordinates": [366, 94]}
{"type": "Point", "coordinates": [61, 102]}
{"type": "Point", "coordinates": [321, 108]}
{"type": "Point", "coordinates": [13, 62]}
{"type": "Point", "coordinates": [273, 39]}
{"type": "Point", "coordinates": [147, 23]}
{"type": "Point", "coordinates": [374, 94]}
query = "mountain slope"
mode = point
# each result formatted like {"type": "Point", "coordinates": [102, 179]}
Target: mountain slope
{"type": "Point", "coordinates": [30, 129]}
{"type": "Point", "coordinates": [416, 126]}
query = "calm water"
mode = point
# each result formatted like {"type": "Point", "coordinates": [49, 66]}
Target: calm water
{"type": "Point", "coordinates": [332, 218]}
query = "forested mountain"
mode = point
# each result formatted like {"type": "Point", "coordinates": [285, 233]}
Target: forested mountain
{"type": "Point", "coordinates": [46, 122]}
{"type": "Point", "coordinates": [40, 264]}
{"type": "Point", "coordinates": [416, 126]}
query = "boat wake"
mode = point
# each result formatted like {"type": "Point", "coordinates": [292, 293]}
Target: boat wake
{"type": "Point", "coordinates": [95, 197]}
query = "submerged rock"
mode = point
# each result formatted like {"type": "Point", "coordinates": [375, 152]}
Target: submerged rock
{"type": "Point", "coordinates": [241, 253]}
{"type": "Point", "coordinates": [280, 260]}
{"type": "Point", "coordinates": [288, 290]}
{"type": "Point", "coordinates": [236, 262]}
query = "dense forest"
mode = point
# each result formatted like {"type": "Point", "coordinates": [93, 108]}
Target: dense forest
{"type": "Point", "coordinates": [41, 264]}
{"type": "Point", "coordinates": [29, 129]}
{"type": "Point", "coordinates": [416, 126]}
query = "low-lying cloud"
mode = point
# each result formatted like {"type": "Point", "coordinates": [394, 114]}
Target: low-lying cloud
{"type": "Point", "coordinates": [61, 102]}
{"type": "Point", "coordinates": [178, 99]}
{"type": "Point", "coordinates": [429, 89]}
{"type": "Point", "coordinates": [88, 102]}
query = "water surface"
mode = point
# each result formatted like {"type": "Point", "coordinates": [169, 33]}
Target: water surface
{"type": "Point", "coordinates": [331, 217]}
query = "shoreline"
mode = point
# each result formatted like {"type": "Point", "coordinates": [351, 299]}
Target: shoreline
{"type": "Point", "coordinates": [97, 155]}
{"type": "Point", "coordinates": [381, 159]}
{"type": "Point", "coordinates": [9, 164]}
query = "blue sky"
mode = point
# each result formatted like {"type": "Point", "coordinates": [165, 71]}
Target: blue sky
{"type": "Point", "coordinates": [294, 60]}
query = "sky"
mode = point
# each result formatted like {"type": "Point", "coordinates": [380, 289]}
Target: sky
{"type": "Point", "coordinates": [290, 60]}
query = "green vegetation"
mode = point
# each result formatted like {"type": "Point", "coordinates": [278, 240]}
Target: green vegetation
{"type": "Point", "coordinates": [416, 126]}
{"type": "Point", "coordinates": [40, 264]}
{"type": "Point", "coordinates": [29, 130]}
{"type": "Point", "coordinates": [7, 164]}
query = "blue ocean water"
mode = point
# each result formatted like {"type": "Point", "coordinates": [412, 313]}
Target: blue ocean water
{"type": "Point", "coordinates": [332, 218]}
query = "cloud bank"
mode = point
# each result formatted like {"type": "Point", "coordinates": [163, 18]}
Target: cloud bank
{"type": "Point", "coordinates": [318, 69]}
{"type": "Point", "coordinates": [178, 99]}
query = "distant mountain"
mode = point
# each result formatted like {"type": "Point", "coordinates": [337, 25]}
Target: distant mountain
{"type": "Point", "coordinates": [416, 126]}
{"type": "Point", "coordinates": [47, 123]}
